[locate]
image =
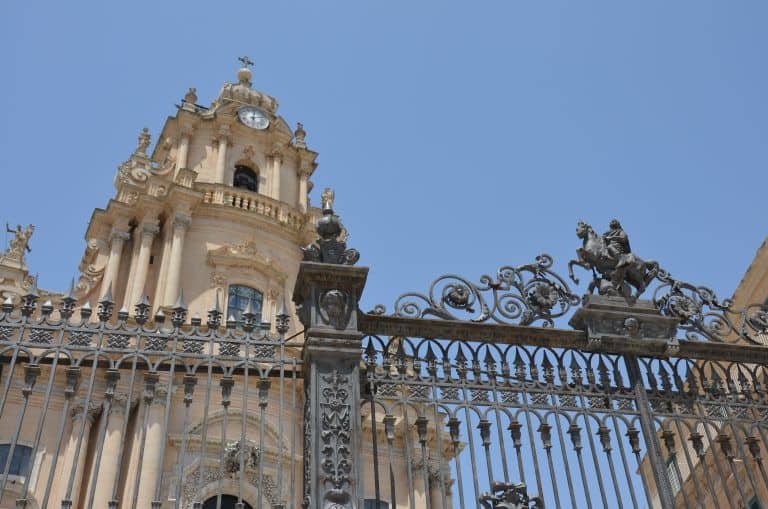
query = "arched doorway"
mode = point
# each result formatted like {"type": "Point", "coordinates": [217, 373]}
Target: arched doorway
{"type": "Point", "coordinates": [227, 502]}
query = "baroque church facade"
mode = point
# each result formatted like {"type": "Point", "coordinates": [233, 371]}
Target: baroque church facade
{"type": "Point", "coordinates": [209, 221]}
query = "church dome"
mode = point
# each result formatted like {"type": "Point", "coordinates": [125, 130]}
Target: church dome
{"type": "Point", "coordinates": [243, 93]}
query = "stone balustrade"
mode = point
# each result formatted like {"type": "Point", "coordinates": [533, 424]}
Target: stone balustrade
{"type": "Point", "coordinates": [256, 203]}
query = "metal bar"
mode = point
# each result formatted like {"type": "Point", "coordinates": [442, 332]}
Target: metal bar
{"type": "Point", "coordinates": [204, 432]}
{"type": "Point", "coordinates": [190, 382]}
{"type": "Point", "coordinates": [622, 453]}
{"type": "Point", "coordinates": [105, 415]}
{"type": "Point", "coordinates": [44, 412]}
{"type": "Point", "coordinates": [264, 385]}
{"type": "Point", "coordinates": [294, 487]}
{"type": "Point", "coordinates": [375, 443]}
{"type": "Point", "coordinates": [648, 430]}
{"type": "Point", "coordinates": [407, 440]}
{"type": "Point", "coordinates": [689, 462]}
{"type": "Point", "coordinates": [166, 417]}
{"type": "Point", "coordinates": [124, 431]}
{"type": "Point", "coordinates": [566, 463]}
{"type": "Point", "coordinates": [150, 379]}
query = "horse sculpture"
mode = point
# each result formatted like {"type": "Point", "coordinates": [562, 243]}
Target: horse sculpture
{"type": "Point", "coordinates": [611, 274]}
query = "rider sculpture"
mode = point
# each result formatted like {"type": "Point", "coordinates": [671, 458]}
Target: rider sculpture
{"type": "Point", "coordinates": [615, 268]}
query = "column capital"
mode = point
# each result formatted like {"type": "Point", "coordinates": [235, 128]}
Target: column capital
{"type": "Point", "coordinates": [161, 393]}
{"type": "Point", "coordinates": [150, 229]}
{"type": "Point", "coordinates": [181, 220]}
{"type": "Point", "coordinates": [78, 411]}
{"type": "Point", "coordinates": [186, 129]}
{"type": "Point", "coordinates": [118, 234]}
{"type": "Point", "coordinates": [119, 402]}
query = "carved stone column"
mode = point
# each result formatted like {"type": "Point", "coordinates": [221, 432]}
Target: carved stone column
{"type": "Point", "coordinates": [116, 242]}
{"type": "Point", "coordinates": [221, 154]}
{"type": "Point", "coordinates": [277, 162]}
{"type": "Point", "coordinates": [327, 293]}
{"type": "Point", "coordinates": [180, 224]}
{"type": "Point", "coordinates": [183, 153]}
{"type": "Point", "coordinates": [304, 174]}
{"type": "Point", "coordinates": [110, 450]}
{"type": "Point", "coordinates": [138, 279]}
{"type": "Point", "coordinates": [153, 462]}
{"type": "Point", "coordinates": [78, 413]}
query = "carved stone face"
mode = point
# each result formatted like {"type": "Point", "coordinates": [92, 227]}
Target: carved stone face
{"type": "Point", "coordinates": [333, 305]}
{"type": "Point", "coordinates": [632, 326]}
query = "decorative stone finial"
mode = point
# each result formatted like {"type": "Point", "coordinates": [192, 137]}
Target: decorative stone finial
{"type": "Point", "coordinates": [327, 198]}
{"type": "Point", "coordinates": [144, 140]}
{"type": "Point", "coordinates": [329, 248]}
{"type": "Point", "coordinates": [244, 74]}
{"type": "Point", "coordinates": [191, 96]}
{"type": "Point", "coordinates": [300, 135]}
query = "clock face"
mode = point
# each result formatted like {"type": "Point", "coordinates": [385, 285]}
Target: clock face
{"type": "Point", "coordinates": [253, 117]}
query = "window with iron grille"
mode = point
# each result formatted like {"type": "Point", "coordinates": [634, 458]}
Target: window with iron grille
{"type": "Point", "coordinates": [237, 302]}
{"type": "Point", "coordinates": [20, 460]}
{"type": "Point", "coordinates": [674, 477]}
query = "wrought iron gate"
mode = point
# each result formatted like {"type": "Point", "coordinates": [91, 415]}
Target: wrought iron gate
{"type": "Point", "coordinates": [467, 395]}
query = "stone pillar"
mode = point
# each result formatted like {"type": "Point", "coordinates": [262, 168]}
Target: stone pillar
{"type": "Point", "coordinates": [303, 179]}
{"type": "Point", "coordinates": [105, 482]}
{"type": "Point", "coordinates": [221, 154]}
{"type": "Point", "coordinates": [138, 278]}
{"type": "Point", "coordinates": [277, 163]}
{"type": "Point", "coordinates": [328, 290]}
{"type": "Point", "coordinates": [78, 413]}
{"type": "Point", "coordinates": [180, 225]}
{"type": "Point", "coordinates": [116, 242]}
{"type": "Point", "coordinates": [183, 153]}
{"type": "Point", "coordinates": [153, 462]}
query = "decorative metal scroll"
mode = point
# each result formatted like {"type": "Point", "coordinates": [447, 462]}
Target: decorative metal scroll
{"type": "Point", "coordinates": [534, 294]}
{"type": "Point", "coordinates": [523, 295]}
{"type": "Point", "coordinates": [705, 317]}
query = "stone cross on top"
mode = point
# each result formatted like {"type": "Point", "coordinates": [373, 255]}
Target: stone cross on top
{"type": "Point", "coordinates": [247, 62]}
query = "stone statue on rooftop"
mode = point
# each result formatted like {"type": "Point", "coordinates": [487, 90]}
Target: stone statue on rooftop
{"type": "Point", "coordinates": [20, 242]}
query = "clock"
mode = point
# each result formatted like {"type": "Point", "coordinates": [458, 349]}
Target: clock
{"type": "Point", "coordinates": [253, 117]}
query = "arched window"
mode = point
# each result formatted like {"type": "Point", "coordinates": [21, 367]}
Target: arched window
{"type": "Point", "coordinates": [22, 455]}
{"type": "Point", "coordinates": [227, 502]}
{"type": "Point", "coordinates": [246, 178]}
{"type": "Point", "coordinates": [239, 295]}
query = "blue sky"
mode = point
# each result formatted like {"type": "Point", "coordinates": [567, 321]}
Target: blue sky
{"type": "Point", "coordinates": [458, 136]}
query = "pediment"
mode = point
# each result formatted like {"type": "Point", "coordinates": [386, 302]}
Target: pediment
{"type": "Point", "coordinates": [246, 255]}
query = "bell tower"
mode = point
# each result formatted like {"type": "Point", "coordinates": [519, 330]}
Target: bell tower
{"type": "Point", "coordinates": [217, 210]}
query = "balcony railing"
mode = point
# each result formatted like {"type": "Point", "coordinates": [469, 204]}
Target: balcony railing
{"type": "Point", "coordinates": [216, 194]}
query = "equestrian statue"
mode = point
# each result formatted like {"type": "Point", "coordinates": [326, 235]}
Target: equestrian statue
{"type": "Point", "coordinates": [615, 268]}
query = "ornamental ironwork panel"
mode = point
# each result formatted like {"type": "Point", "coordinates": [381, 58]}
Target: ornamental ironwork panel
{"type": "Point", "coordinates": [128, 410]}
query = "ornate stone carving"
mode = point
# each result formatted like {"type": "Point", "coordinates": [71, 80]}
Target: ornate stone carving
{"type": "Point", "coordinates": [335, 439]}
{"type": "Point", "coordinates": [218, 280]}
{"type": "Point", "coordinates": [247, 255]}
{"type": "Point", "coordinates": [334, 308]}
{"type": "Point", "coordinates": [329, 247]}
{"type": "Point", "coordinates": [234, 452]}
{"type": "Point", "coordinates": [19, 244]}
{"type": "Point", "coordinates": [144, 141]}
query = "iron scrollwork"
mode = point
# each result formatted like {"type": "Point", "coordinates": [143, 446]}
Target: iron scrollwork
{"type": "Point", "coordinates": [510, 496]}
{"type": "Point", "coordinates": [517, 295]}
{"type": "Point", "coordinates": [703, 316]}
